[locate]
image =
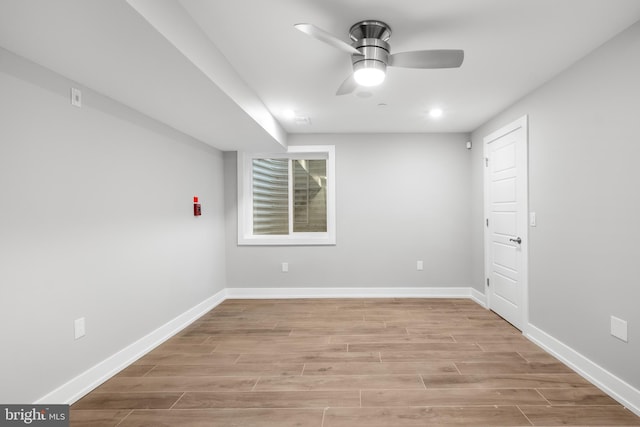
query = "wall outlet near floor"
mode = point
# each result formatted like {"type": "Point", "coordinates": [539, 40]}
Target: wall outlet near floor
{"type": "Point", "coordinates": [619, 328]}
{"type": "Point", "coordinates": [79, 328]}
{"type": "Point", "coordinates": [419, 265]}
{"type": "Point", "coordinates": [285, 267]}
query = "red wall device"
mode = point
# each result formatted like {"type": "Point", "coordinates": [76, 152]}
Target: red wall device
{"type": "Point", "coordinates": [197, 210]}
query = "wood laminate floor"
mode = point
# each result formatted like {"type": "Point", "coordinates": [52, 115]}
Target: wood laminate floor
{"type": "Point", "coordinates": [351, 363]}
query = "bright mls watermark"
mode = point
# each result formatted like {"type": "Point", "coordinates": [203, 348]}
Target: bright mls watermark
{"type": "Point", "coordinates": [34, 415]}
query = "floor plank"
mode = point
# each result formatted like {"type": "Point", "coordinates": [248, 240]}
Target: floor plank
{"type": "Point", "coordinates": [414, 417]}
{"type": "Point", "coordinates": [317, 357]}
{"type": "Point", "coordinates": [97, 418]}
{"type": "Point", "coordinates": [486, 381]}
{"type": "Point", "coordinates": [282, 347]}
{"type": "Point", "coordinates": [269, 399]}
{"type": "Point", "coordinates": [512, 368]}
{"type": "Point", "coordinates": [451, 397]}
{"type": "Point", "coordinates": [380, 368]}
{"type": "Point", "coordinates": [340, 382]}
{"type": "Point", "coordinates": [127, 400]}
{"type": "Point", "coordinates": [577, 396]}
{"type": "Point", "coordinates": [225, 418]}
{"type": "Point", "coordinates": [186, 359]}
{"type": "Point", "coordinates": [128, 384]}
{"type": "Point", "coordinates": [397, 347]}
{"type": "Point", "coordinates": [456, 356]}
{"type": "Point", "coordinates": [136, 371]}
{"type": "Point", "coordinates": [227, 369]}
{"type": "Point", "coordinates": [580, 416]}
{"type": "Point", "coordinates": [386, 339]}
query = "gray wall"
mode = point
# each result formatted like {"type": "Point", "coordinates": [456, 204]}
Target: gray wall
{"type": "Point", "coordinates": [584, 147]}
{"type": "Point", "coordinates": [96, 221]}
{"type": "Point", "coordinates": [400, 198]}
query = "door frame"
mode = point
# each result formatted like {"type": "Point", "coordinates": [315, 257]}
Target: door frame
{"type": "Point", "coordinates": [521, 123]}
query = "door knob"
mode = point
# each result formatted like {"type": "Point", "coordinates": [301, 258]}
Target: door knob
{"type": "Point", "coordinates": [516, 240]}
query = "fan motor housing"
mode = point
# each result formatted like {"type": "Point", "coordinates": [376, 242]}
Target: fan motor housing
{"type": "Point", "coordinates": [370, 29]}
{"type": "Point", "coordinates": [370, 39]}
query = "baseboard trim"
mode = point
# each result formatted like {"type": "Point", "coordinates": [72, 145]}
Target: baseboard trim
{"type": "Point", "coordinates": [79, 386]}
{"type": "Point", "coordinates": [618, 389]}
{"type": "Point", "coordinates": [352, 292]}
{"type": "Point", "coordinates": [479, 298]}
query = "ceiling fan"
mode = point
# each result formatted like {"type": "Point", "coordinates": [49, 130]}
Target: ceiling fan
{"type": "Point", "coordinates": [371, 53]}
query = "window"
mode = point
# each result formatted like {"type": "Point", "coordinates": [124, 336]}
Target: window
{"type": "Point", "coordinates": [287, 198]}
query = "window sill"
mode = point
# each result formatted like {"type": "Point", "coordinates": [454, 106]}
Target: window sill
{"type": "Point", "coordinates": [305, 240]}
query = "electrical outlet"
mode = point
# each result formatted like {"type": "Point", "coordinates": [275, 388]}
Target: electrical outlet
{"type": "Point", "coordinates": [419, 265]}
{"type": "Point", "coordinates": [285, 267]}
{"type": "Point", "coordinates": [619, 328]}
{"type": "Point", "coordinates": [76, 97]}
{"type": "Point", "coordinates": [79, 328]}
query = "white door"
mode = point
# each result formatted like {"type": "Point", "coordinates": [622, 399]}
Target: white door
{"type": "Point", "coordinates": [506, 213]}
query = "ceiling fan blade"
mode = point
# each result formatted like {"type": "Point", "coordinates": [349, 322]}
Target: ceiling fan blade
{"type": "Point", "coordinates": [326, 37]}
{"type": "Point", "coordinates": [445, 58]}
{"type": "Point", "coordinates": [347, 86]}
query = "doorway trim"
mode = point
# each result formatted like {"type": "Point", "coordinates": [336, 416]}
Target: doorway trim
{"type": "Point", "coordinates": [521, 123]}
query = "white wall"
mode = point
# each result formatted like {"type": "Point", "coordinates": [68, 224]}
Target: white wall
{"type": "Point", "coordinates": [584, 147]}
{"type": "Point", "coordinates": [400, 198]}
{"type": "Point", "coordinates": [96, 221]}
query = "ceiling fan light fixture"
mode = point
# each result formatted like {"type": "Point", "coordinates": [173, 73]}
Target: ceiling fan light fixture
{"type": "Point", "coordinates": [371, 54]}
{"type": "Point", "coordinates": [369, 72]}
{"type": "Point", "coordinates": [369, 77]}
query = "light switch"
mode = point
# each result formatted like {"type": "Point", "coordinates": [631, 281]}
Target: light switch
{"type": "Point", "coordinates": [285, 267]}
{"type": "Point", "coordinates": [532, 219]}
{"type": "Point", "coordinates": [420, 265]}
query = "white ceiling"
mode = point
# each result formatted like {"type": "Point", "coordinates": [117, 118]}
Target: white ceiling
{"type": "Point", "coordinates": [511, 47]}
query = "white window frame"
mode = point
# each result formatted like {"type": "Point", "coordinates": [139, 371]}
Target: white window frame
{"type": "Point", "coordinates": [245, 198]}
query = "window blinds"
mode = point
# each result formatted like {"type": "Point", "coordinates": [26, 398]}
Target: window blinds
{"type": "Point", "coordinates": [270, 196]}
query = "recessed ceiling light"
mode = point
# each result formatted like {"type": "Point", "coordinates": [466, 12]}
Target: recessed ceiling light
{"type": "Point", "coordinates": [435, 113]}
{"type": "Point", "coordinates": [289, 114]}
